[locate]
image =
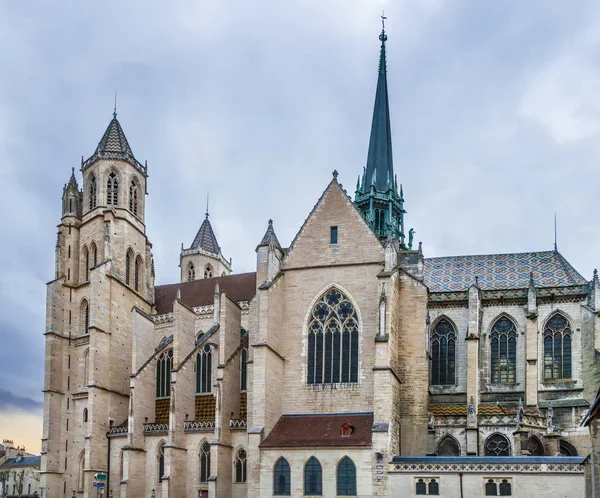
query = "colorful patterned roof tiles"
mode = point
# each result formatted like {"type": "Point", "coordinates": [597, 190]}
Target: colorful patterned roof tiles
{"type": "Point", "coordinates": [500, 271]}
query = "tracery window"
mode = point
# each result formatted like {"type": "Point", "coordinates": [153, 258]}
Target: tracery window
{"type": "Point", "coordinates": [112, 190]}
{"type": "Point", "coordinates": [333, 340]}
{"type": "Point", "coordinates": [208, 272]}
{"type": "Point", "coordinates": [85, 317]}
{"type": "Point", "coordinates": [497, 445]}
{"type": "Point", "coordinates": [448, 447]}
{"type": "Point", "coordinates": [203, 370]}
{"type": "Point", "coordinates": [346, 478]}
{"type": "Point", "coordinates": [128, 258]}
{"type": "Point", "coordinates": [443, 354]}
{"type": "Point", "coordinates": [313, 478]}
{"type": "Point", "coordinates": [191, 272]}
{"type": "Point", "coordinates": [161, 463]}
{"type": "Point", "coordinates": [240, 466]}
{"type": "Point", "coordinates": [503, 349]}
{"type": "Point", "coordinates": [557, 349]}
{"type": "Point", "coordinates": [137, 268]}
{"type": "Point", "coordinates": [281, 478]}
{"type": "Point", "coordinates": [92, 191]}
{"type": "Point", "coordinates": [163, 374]}
{"type": "Point", "coordinates": [204, 462]}
{"type": "Point", "coordinates": [133, 197]}
{"type": "Point", "coordinates": [244, 369]}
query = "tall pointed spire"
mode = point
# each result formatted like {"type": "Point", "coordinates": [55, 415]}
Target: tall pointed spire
{"type": "Point", "coordinates": [377, 195]}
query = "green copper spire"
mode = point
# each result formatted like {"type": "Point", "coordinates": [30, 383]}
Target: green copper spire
{"type": "Point", "coordinates": [377, 194]}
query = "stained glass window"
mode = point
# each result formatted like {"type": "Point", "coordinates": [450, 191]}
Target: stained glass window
{"type": "Point", "coordinates": [163, 374]}
{"type": "Point", "coordinates": [281, 478]}
{"type": "Point", "coordinates": [333, 340]}
{"type": "Point", "coordinates": [346, 478]}
{"type": "Point", "coordinates": [443, 354]}
{"type": "Point", "coordinates": [313, 477]}
{"type": "Point", "coordinates": [503, 345]}
{"type": "Point", "coordinates": [497, 445]}
{"type": "Point", "coordinates": [557, 349]}
{"type": "Point", "coordinates": [203, 370]}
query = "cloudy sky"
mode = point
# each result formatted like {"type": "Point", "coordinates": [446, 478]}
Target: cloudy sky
{"type": "Point", "coordinates": [495, 117]}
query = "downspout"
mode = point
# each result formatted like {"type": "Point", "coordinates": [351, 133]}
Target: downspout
{"type": "Point", "coordinates": [460, 474]}
{"type": "Point", "coordinates": [108, 493]}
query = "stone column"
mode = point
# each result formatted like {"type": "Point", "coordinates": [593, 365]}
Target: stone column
{"type": "Point", "coordinates": [472, 339]}
{"type": "Point", "coordinates": [531, 346]}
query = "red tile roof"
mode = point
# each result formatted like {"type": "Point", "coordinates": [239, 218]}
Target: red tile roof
{"type": "Point", "coordinates": [240, 287]}
{"type": "Point", "coordinates": [320, 430]}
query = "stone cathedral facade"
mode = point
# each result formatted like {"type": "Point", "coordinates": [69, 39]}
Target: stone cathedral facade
{"type": "Point", "coordinates": [347, 364]}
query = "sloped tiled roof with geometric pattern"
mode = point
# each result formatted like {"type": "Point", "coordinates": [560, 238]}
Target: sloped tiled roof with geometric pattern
{"type": "Point", "coordinates": [483, 409]}
{"type": "Point", "coordinates": [500, 271]}
{"type": "Point", "coordinates": [206, 239]}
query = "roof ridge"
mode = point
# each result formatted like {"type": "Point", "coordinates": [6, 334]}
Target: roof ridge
{"type": "Point", "coordinates": [488, 254]}
{"type": "Point", "coordinates": [191, 282]}
{"type": "Point", "coordinates": [342, 414]}
{"type": "Point", "coordinates": [568, 267]}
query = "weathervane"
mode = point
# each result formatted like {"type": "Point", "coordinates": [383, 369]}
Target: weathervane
{"type": "Point", "coordinates": [383, 36]}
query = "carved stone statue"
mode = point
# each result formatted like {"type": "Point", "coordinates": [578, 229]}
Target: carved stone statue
{"type": "Point", "coordinates": [411, 234]}
{"type": "Point", "coordinates": [431, 421]}
{"type": "Point", "coordinates": [549, 420]}
{"type": "Point", "coordinates": [471, 414]}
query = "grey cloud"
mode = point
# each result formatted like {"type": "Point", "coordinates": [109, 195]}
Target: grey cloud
{"type": "Point", "coordinates": [9, 402]}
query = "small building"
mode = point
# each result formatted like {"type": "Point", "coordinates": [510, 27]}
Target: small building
{"type": "Point", "coordinates": [592, 470]}
{"type": "Point", "coordinates": [23, 476]}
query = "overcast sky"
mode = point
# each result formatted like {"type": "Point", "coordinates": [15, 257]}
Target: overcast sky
{"type": "Point", "coordinates": [495, 110]}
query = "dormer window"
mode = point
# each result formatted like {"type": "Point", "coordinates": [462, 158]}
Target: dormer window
{"type": "Point", "coordinates": [347, 429]}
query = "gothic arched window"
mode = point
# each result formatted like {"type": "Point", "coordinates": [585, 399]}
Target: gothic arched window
{"type": "Point", "coordinates": [133, 197]}
{"type": "Point", "coordinates": [557, 349]}
{"type": "Point", "coordinates": [86, 263]}
{"type": "Point", "coordinates": [80, 473]}
{"type": "Point", "coordinates": [112, 190]}
{"type": "Point", "coordinates": [505, 488]}
{"type": "Point", "coordinates": [208, 272]}
{"type": "Point", "coordinates": [203, 370]}
{"type": "Point", "coordinates": [191, 272]}
{"type": "Point", "coordinates": [566, 448]}
{"type": "Point", "coordinates": [163, 374]}
{"type": "Point", "coordinates": [313, 477]}
{"type": "Point", "coordinates": [380, 222]}
{"type": "Point", "coordinates": [443, 354]}
{"type": "Point", "coordinates": [448, 447]}
{"type": "Point", "coordinates": [137, 270]}
{"type": "Point", "coordinates": [85, 317]}
{"type": "Point", "coordinates": [491, 489]}
{"type": "Point", "coordinates": [503, 351]}
{"type": "Point", "coordinates": [204, 462]}
{"type": "Point", "coordinates": [497, 445]}
{"type": "Point", "coordinates": [281, 478]}
{"type": "Point", "coordinates": [333, 340]}
{"type": "Point", "coordinates": [421, 487]}
{"type": "Point", "coordinates": [85, 415]}
{"type": "Point", "coordinates": [92, 191]}
{"type": "Point", "coordinates": [161, 463]}
{"type": "Point", "coordinates": [94, 251]}
{"type": "Point", "coordinates": [535, 447]}
{"type": "Point", "coordinates": [346, 478]}
{"type": "Point", "coordinates": [240, 466]}
{"type": "Point", "coordinates": [128, 258]}
{"type": "Point", "coordinates": [244, 369]}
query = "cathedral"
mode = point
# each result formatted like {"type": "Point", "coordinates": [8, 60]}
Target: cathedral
{"type": "Point", "coordinates": [347, 364]}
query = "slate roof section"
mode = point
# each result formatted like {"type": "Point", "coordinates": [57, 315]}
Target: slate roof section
{"type": "Point", "coordinates": [483, 409]}
{"type": "Point", "coordinates": [206, 239]}
{"type": "Point", "coordinates": [500, 271]}
{"type": "Point", "coordinates": [240, 287]}
{"type": "Point", "coordinates": [270, 239]}
{"type": "Point", "coordinates": [25, 461]}
{"type": "Point", "coordinates": [295, 431]}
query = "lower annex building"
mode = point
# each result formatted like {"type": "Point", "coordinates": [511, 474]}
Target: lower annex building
{"type": "Point", "coordinates": [347, 364]}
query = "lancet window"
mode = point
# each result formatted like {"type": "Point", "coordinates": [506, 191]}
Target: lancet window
{"type": "Point", "coordinates": [203, 370]}
{"type": "Point", "coordinates": [333, 340]}
{"type": "Point", "coordinates": [128, 258]}
{"type": "Point", "coordinates": [133, 197]}
{"type": "Point", "coordinates": [92, 191]}
{"type": "Point", "coordinates": [163, 374]}
{"type": "Point", "coordinates": [208, 272]}
{"type": "Point", "coordinates": [204, 462]}
{"type": "Point", "coordinates": [86, 262]}
{"type": "Point", "coordinates": [191, 272]}
{"type": "Point", "coordinates": [137, 269]}
{"type": "Point", "coordinates": [112, 190]}
{"type": "Point", "coordinates": [244, 369]}
{"type": "Point", "coordinates": [443, 353]}
{"type": "Point", "coordinates": [85, 317]}
{"type": "Point", "coordinates": [94, 251]}
{"type": "Point", "coordinates": [240, 466]}
{"type": "Point", "coordinates": [161, 463]}
{"type": "Point", "coordinates": [281, 478]}
{"type": "Point", "coordinates": [503, 350]}
{"type": "Point", "coordinates": [346, 478]}
{"type": "Point", "coordinates": [313, 478]}
{"type": "Point", "coordinates": [557, 349]}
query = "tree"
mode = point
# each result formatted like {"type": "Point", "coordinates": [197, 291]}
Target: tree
{"type": "Point", "coordinates": [4, 477]}
{"type": "Point", "coordinates": [19, 477]}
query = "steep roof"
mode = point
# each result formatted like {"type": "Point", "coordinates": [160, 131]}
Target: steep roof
{"type": "Point", "coordinates": [320, 430]}
{"type": "Point", "coordinates": [270, 239]}
{"type": "Point", "coordinates": [206, 239]}
{"type": "Point", "coordinates": [500, 271]}
{"type": "Point", "coordinates": [25, 461]}
{"type": "Point", "coordinates": [240, 287]}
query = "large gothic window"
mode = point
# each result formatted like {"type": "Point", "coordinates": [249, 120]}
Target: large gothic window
{"type": "Point", "coordinates": [346, 478]}
{"type": "Point", "coordinates": [497, 445]}
{"type": "Point", "coordinates": [203, 370]}
{"type": "Point", "coordinates": [557, 349]}
{"type": "Point", "coordinates": [313, 478]}
{"type": "Point", "coordinates": [163, 374]}
{"type": "Point", "coordinates": [240, 466]}
{"type": "Point", "coordinates": [133, 197]}
{"type": "Point", "coordinates": [92, 191]}
{"type": "Point", "coordinates": [204, 462]}
{"type": "Point", "coordinates": [333, 340]}
{"type": "Point", "coordinates": [448, 447]}
{"type": "Point", "coordinates": [503, 349]}
{"type": "Point", "coordinates": [443, 354]}
{"type": "Point", "coordinates": [112, 190]}
{"type": "Point", "coordinates": [281, 478]}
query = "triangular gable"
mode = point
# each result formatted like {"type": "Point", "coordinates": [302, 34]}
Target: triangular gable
{"type": "Point", "coordinates": [357, 243]}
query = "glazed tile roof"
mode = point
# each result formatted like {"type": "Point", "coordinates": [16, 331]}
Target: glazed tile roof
{"type": "Point", "coordinates": [205, 238]}
{"type": "Point", "coordinates": [239, 286]}
{"type": "Point", "coordinates": [500, 271]}
{"type": "Point", "coordinates": [26, 461]}
{"type": "Point", "coordinates": [320, 430]}
{"type": "Point", "coordinates": [483, 409]}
